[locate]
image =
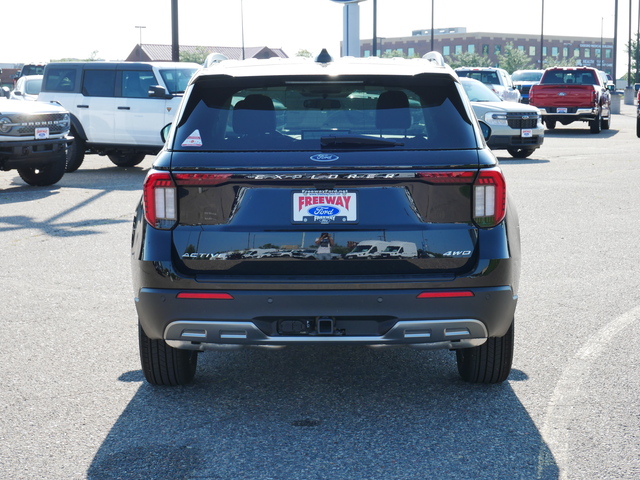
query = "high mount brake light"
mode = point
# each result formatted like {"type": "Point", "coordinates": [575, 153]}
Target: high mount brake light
{"type": "Point", "coordinates": [489, 198]}
{"type": "Point", "coordinates": [159, 196]}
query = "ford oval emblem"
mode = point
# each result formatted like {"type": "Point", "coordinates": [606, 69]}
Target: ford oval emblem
{"type": "Point", "coordinates": [325, 157]}
{"type": "Point", "coordinates": [323, 211]}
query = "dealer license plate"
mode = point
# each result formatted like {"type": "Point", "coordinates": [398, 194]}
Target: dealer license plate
{"type": "Point", "coordinates": [42, 133]}
{"type": "Point", "coordinates": [526, 133]}
{"type": "Point", "coordinates": [561, 110]}
{"type": "Point", "coordinates": [325, 206]}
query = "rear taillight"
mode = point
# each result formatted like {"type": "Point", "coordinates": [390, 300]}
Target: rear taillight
{"type": "Point", "coordinates": [200, 179]}
{"type": "Point", "coordinates": [453, 177]}
{"type": "Point", "coordinates": [160, 205]}
{"type": "Point", "coordinates": [489, 198]}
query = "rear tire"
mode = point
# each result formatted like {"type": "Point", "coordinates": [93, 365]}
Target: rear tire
{"type": "Point", "coordinates": [520, 152]}
{"type": "Point", "coordinates": [45, 175]}
{"type": "Point", "coordinates": [551, 124]}
{"type": "Point", "coordinates": [488, 363]}
{"type": "Point", "coordinates": [126, 159]}
{"type": "Point", "coordinates": [165, 365]}
{"type": "Point", "coordinates": [595, 125]}
{"type": "Point", "coordinates": [605, 123]}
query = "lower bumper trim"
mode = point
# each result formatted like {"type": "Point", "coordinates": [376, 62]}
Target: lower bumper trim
{"type": "Point", "coordinates": [432, 334]}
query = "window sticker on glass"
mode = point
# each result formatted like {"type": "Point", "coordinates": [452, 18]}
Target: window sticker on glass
{"type": "Point", "coordinates": [193, 140]}
{"type": "Point", "coordinates": [325, 206]}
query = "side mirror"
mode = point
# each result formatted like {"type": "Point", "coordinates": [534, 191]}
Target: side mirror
{"type": "Point", "coordinates": [164, 133]}
{"type": "Point", "coordinates": [486, 130]}
{"type": "Point", "coordinates": [157, 91]}
{"type": "Point", "coordinates": [4, 92]}
{"type": "Point", "coordinates": [17, 93]}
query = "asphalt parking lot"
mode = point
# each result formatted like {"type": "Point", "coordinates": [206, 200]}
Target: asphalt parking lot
{"type": "Point", "coordinates": [74, 403]}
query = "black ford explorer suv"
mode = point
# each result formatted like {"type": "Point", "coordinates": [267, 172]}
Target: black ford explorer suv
{"type": "Point", "coordinates": [289, 155]}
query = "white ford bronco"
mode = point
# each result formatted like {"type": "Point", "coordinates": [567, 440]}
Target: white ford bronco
{"type": "Point", "coordinates": [117, 108]}
{"type": "Point", "coordinates": [33, 140]}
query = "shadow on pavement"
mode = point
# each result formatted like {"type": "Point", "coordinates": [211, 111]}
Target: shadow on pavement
{"type": "Point", "coordinates": [325, 413]}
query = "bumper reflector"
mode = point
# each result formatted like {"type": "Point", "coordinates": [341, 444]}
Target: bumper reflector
{"type": "Point", "coordinates": [449, 294]}
{"type": "Point", "coordinates": [204, 296]}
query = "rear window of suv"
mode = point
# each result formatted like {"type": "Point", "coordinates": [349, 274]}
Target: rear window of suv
{"type": "Point", "coordinates": [313, 113]}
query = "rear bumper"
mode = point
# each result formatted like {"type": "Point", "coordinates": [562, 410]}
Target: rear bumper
{"type": "Point", "coordinates": [508, 141]}
{"type": "Point", "coordinates": [390, 317]}
{"type": "Point", "coordinates": [573, 114]}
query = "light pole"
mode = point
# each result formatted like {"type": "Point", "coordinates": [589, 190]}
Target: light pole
{"type": "Point", "coordinates": [242, 25]}
{"type": "Point", "coordinates": [542, 36]}
{"type": "Point", "coordinates": [374, 46]}
{"type": "Point", "coordinates": [140, 27]}
{"type": "Point", "coordinates": [432, 2]}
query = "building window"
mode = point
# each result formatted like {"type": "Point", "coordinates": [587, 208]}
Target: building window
{"type": "Point", "coordinates": [576, 52]}
{"type": "Point", "coordinates": [565, 52]}
{"type": "Point", "coordinates": [498, 49]}
{"type": "Point", "coordinates": [446, 50]}
{"type": "Point", "coordinates": [458, 49]}
{"type": "Point", "coordinates": [411, 52]}
{"type": "Point", "coordinates": [367, 53]}
{"type": "Point", "coordinates": [532, 51]}
{"type": "Point", "coordinates": [587, 53]}
{"type": "Point", "coordinates": [544, 51]}
{"type": "Point", "coordinates": [607, 53]}
{"type": "Point", "coordinates": [598, 53]}
{"type": "Point", "coordinates": [521, 48]}
{"type": "Point", "coordinates": [554, 51]}
{"type": "Point", "coordinates": [471, 48]}
{"type": "Point", "coordinates": [485, 49]}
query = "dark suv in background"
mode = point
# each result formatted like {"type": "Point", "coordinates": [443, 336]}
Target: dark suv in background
{"type": "Point", "coordinates": [291, 155]}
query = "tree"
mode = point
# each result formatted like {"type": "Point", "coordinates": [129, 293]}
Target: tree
{"type": "Point", "coordinates": [514, 59]}
{"type": "Point", "coordinates": [634, 48]}
{"type": "Point", "coordinates": [304, 53]}
{"type": "Point", "coordinates": [468, 60]}
{"type": "Point", "coordinates": [557, 62]}
{"type": "Point", "coordinates": [199, 55]}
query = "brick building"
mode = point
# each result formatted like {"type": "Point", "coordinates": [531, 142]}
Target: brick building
{"type": "Point", "coordinates": [588, 51]}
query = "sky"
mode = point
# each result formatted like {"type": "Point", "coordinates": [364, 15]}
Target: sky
{"type": "Point", "coordinates": [78, 28]}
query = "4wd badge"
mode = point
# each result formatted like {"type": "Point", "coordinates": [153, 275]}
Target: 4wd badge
{"type": "Point", "coordinates": [324, 206]}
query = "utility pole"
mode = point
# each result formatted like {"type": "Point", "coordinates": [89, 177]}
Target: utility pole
{"type": "Point", "coordinates": [175, 44]}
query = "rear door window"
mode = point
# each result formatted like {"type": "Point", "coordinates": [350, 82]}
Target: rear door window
{"type": "Point", "coordinates": [99, 83]}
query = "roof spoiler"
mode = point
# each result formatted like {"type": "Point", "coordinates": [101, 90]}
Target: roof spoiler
{"type": "Point", "coordinates": [434, 57]}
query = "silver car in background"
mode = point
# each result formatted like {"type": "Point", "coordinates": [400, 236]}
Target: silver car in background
{"type": "Point", "coordinates": [515, 127]}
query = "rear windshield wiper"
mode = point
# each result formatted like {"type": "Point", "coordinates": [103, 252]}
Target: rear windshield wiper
{"type": "Point", "coordinates": [353, 142]}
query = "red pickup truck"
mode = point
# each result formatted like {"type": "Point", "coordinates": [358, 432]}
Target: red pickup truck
{"type": "Point", "coordinates": [569, 94]}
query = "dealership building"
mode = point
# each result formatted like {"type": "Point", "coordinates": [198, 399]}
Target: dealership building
{"type": "Point", "coordinates": [588, 51]}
